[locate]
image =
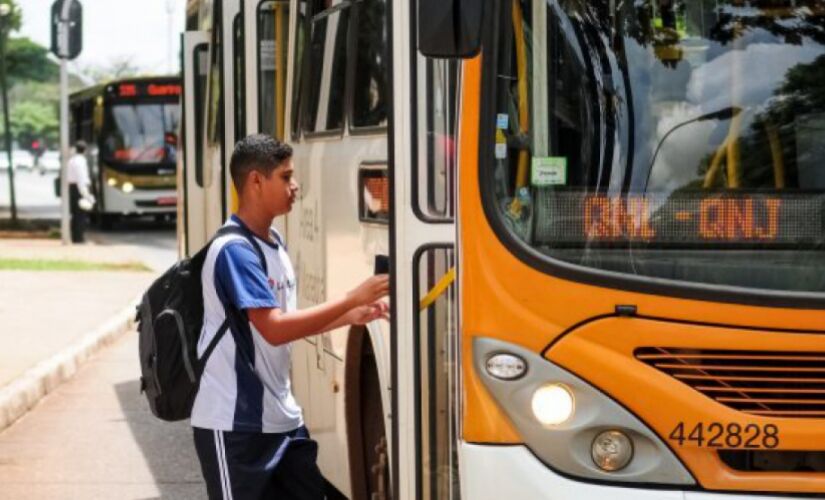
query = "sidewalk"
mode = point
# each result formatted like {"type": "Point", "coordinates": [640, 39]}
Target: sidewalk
{"type": "Point", "coordinates": [94, 438]}
{"type": "Point", "coordinates": [43, 312]}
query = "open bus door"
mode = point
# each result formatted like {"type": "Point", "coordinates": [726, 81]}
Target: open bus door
{"type": "Point", "coordinates": [195, 70]}
{"type": "Point", "coordinates": [234, 122]}
{"type": "Point", "coordinates": [425, 349]}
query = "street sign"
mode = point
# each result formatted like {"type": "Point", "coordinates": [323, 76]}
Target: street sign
{"type": "Point", "coordinates": [67, 28]}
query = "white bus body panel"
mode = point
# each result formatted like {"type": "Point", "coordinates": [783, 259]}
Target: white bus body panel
{"type": "Point", "coordinates": [509, 472]}
{"type": "Point", "coordinates": [333, 251]}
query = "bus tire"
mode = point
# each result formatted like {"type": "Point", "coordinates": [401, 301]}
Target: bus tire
{"type": "Point", "coordinates": [366, 435]}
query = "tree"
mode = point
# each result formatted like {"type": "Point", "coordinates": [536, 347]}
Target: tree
{"type": "Point", "coordinates": [34, 112]}
{"type": "Point", "coordinates": [26, 60]}
{"type": "Point", "coordinates": [15, 19]}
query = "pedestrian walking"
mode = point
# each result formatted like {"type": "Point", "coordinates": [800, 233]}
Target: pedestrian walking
{"type": "Point", "coordinates": [81, 199]}
{"type": "Point", "coordinates": [248, 428]}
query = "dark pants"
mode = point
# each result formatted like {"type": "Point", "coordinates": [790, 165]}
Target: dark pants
{"type": "Point", "coordinates": [253, 466]}
{"type": "Point", "coordinates": [78, 222]}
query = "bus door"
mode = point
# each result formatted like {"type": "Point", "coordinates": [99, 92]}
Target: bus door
{"type": "Point", "coordinates": [232, 77]}
{"type": "Point", "coordinates": [266, 34]}
{"type": "Point", "coordinates": [195, 70]}
{"type": "Point", "coordinates": [426, 353]}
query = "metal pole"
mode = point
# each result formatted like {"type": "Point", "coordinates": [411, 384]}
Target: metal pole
{"type": "Point", "coordinates": [63, 42]}
{"type": "Point", "coordinates": [6, 123]}
{"type": "Point", "coordinates": [64, 153]}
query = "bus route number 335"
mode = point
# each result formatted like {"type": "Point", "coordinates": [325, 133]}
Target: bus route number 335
{"type": "Point", "coordinates": [731, 435]}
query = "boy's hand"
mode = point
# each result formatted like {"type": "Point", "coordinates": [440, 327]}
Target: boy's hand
{"type": "Point", "coordinates": [364, 314]}
{"type": "Point", "coordinates": [370, 290]}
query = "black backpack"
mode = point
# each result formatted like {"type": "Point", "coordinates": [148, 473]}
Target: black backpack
{"type": "Point", "coordinates": [170, 319]}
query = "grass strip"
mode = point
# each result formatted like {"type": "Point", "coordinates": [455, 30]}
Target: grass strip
{"type": "Point", "coordinates": [67, 265]}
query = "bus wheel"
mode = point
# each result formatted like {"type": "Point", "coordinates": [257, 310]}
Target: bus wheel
{"type": "Point", "coordinates": [368, 450]}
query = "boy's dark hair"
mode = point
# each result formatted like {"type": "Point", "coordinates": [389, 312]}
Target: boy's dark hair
{"type": "Point", "coordinates": [80, 147]}
{"type": "Point", "coordinates": [259, 152]}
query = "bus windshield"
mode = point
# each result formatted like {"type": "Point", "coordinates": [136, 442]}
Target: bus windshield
{"type": "Point", "coordinates": [140, 133]}
{"type": "Point", "coordinates": [682, 140]}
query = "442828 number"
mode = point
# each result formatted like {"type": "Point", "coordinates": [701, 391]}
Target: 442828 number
{"type": "Point", "coordinates": [732, 435]}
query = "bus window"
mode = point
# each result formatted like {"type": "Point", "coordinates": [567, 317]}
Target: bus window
{"type": "Point", "coordinates": [322, 100]}
{"type": "Point", "coordinates": [140, 133]}
{"type": "Point", "coordinates": [438, 376]}
{"type": "Point", "coordinates": [239, 77]}
{"type": "Point", "coordinates": [651, 138]}
{"type": "Point", "coordinates": [370, 89]}
{"type": "Point", "coordinates": [437, 108]}
{"type": "Point", "coordinates": [273, 28]}
{"type": "Point", "coordinates": [201, 63]}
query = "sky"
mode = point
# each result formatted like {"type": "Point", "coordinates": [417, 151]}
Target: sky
{"type": "Point", "coordinates": [113, 29]}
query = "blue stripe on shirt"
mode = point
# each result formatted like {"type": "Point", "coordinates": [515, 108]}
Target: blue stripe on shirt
{"type": "Point", "coordinates": [242, 284]}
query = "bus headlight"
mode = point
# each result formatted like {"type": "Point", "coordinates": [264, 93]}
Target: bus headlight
{"type": "Point", "coordinates": [572, 426]}
{"type": "Point", "coordinates": [128, 187]}
{"type": "Point", "coordinates": [612, 450]}
{"type": "Point", "coordinates": [552, 404]}
{"type": "Point", "coordinates": [112, 182]}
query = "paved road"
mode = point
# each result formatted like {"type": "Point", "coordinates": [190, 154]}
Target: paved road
{"type": "Point", "coordinates": [94, 437]}
{"type": "Point", "coordinates": [34, 194]}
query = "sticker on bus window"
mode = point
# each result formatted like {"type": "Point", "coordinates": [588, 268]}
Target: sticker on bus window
{"type": "Point", "coordinates": [502, 121]}
{"type": "Point", "coordinates": [268, 55]}
{"type": "Point", "coordinates": [548, 171]}
{"type": "Point", "coordinates": [501, 145]}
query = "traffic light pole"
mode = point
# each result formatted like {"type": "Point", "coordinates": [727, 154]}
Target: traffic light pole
{"type": "Point", "coordinates": [64, 153]}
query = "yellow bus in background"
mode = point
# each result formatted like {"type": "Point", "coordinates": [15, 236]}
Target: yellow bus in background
{"type": "Point", "coordinates": [604, 225]}
{"type": "Point", "coordinates": [131, 127]}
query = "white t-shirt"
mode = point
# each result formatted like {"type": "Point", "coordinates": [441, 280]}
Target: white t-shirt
{"type": "Point", "coordinates": [245, 385]}
{"type": "Point", "coordinates": [77, 171]}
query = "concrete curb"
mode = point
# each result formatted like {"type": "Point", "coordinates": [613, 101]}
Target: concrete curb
{"type": "Point", "coordinates": [20, 396]}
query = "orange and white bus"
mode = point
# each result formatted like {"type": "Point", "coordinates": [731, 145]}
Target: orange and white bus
{"type": "Point", "coordinates": [604, 223]}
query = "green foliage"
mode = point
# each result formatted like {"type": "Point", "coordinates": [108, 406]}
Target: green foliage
{"type": "Point", "coordinates": [15, 18]}
{"type": "Point", "coordinates": [26, 60]}
{"type": "Point", "coordinates": [32, 119]}
{"type": "Point", "coordinates": [67, 265]}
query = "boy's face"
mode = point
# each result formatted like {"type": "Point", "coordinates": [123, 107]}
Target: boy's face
{"type": "Point", "coordinates": [279, 189]}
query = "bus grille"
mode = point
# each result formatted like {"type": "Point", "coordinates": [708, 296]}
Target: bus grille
{"type": "Point", "coordinates": [769, 383]}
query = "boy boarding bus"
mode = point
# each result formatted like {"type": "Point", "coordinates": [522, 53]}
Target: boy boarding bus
{"type": "Point", "coordinates": [604, 223]}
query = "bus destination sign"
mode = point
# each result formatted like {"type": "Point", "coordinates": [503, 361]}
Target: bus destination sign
{"type": "Point", "coordinates": [139, 89]}
{"type": "Point", "coordinates": [681, 219]}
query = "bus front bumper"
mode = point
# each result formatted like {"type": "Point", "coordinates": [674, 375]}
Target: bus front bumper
{"type": "Point", "coordinates": [509, 472]}
{"type": "Point", "coordinates": [140, 201]}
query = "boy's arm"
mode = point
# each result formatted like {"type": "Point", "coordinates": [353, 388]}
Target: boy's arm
{"type": "Point", "coordinates": [279, 328]}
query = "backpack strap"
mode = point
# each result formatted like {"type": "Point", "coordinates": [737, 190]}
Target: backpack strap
{"type": "Point", "coordinates": [246, 233]}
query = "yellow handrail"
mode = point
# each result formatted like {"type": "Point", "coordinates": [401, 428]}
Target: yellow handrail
{"type": "Point", "coordinates": [437, 290]}
{"type": "Point", "coordinates": [523, 101]}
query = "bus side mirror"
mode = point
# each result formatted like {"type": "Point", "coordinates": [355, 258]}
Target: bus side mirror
{"type": "Point", "coordinates": [449, 28]}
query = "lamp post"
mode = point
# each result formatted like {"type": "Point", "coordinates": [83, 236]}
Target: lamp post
{"type": "Point", "coordinates": [5, 12]}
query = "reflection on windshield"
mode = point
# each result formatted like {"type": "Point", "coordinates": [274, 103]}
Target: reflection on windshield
{"type": "Point", "coordinates": [141, 133]}
{"type": "Point", "coordinates": [676, 139]}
